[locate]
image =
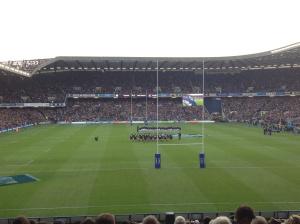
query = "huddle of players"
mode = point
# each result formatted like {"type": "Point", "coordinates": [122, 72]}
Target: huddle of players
{"type": "Point", "coordinates": [269, 128]}
{"type": "Point", "coordinates": [149, 137]}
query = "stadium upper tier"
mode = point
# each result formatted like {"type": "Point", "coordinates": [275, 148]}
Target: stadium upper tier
{"type": "Point", "coordinates": [285, 57]}
{"type": "Point", "coordinates": [54, 87]}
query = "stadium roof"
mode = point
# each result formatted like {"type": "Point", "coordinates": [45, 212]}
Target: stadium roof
{"type": "Point", "coordinates": [285, 57]}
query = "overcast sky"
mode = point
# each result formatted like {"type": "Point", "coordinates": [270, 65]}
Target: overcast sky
{"type": "Point", "coordinates": [34, 29]}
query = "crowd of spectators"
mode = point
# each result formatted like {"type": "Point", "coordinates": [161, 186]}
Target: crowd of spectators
{"type": "Point", "coordinates": [121, 110]}
{"type": "Point", "coordinates": [244, 109]}
{"type": "Point", "coordinates": [54, 87]}
{"type": "Point", "coordinates": [243, 215]}
{"type": "Point", "coordinates": [255, 81]}
{"type": "Point", "coordinates": [16, 117]}
{"type": "Point", "coordinates": [273, 109]}
{"type": "Point", "coordinates": [101, 110]}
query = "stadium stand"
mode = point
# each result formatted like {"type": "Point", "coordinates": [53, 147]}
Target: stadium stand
{"type": "Point", "coordinates": [54, 87]}
{"type": "Point", "coordinates": [99, 110]}
{"type": "Point", "coordinates": [275, 109]}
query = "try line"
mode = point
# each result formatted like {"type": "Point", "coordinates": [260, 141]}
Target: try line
{"type": "Point", "coordinates": [178, 144]}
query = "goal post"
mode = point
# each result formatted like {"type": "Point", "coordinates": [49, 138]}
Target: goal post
{"type": "Point", "coordinates": [201, 154]}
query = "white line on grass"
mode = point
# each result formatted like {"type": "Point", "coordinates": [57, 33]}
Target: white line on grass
{"type": "Point", "coordinates": [21, 164]}
{"type": "Point", "coordinates": [151, 204]}
{"type": "Point", "coordinates": [47, 150]}
{"type": "Point", "coordinates": [147, 168]}
{"type": "Point", "coordinates": [29, 162]}
{"type": "Point", "coordinates": [179, 144]}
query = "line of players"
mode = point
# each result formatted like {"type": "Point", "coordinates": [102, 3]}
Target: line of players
{"type": "Point", "coordinates": [149, 129]}
{"type": "Point", "coordinates": [268, 128]}
{"type": "Point", "coordinates": [147, 137]}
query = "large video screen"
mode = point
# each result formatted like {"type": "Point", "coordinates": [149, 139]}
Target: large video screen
{"type": "Point", "coordinates": [190, 100]}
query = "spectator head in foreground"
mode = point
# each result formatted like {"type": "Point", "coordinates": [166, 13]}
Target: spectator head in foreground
{"type": "Point", "coordinates": [293, 219]}
{"type": "Point", "coordinates": [150, 219]}
{"type": "Point", "coordinates": [105, 218]}
{"type": "Point", "coordinates": [206, 220]}
{"type": "Point", "coordinates": [87, 221]}
{"type": "Point", "coordinates": [274, 221]}
{"type": "Point", "coordinates": [220, 220]}
{"type": "Point", "coordinates": [259, 220]}
{"type": "Point", "coordinates": [244, 214]}
{"type": "Point", "coordinates": [179, 220]}
{"type": "Point", "coordinates": [21, 220]}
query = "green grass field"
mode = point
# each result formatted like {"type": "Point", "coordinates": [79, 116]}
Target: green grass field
{"type": "Point", "coordinates": [79, 176]}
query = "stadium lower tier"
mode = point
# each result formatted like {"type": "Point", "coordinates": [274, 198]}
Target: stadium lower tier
{"type": "Point", "coordinates": [102, 110]}
{"type": "Point", "coordinates": [274, 109]}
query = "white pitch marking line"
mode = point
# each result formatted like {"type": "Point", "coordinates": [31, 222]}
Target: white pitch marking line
{"type": "Point", "coordinates": [47, 150]}
{"type": "Point", "coordinates": [29, 162]}
{"type": "Point", "coordinates": [195, 143]}
{"type": "Point", "coordinates": [146, 168]}
{"type": "Point", "coordinates": [21, 164]}
{"type": "Point", "coordinates": [153, 204]}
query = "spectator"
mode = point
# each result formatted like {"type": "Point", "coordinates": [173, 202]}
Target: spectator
{"type": "Point", "coordinates": [220, 220]}
{"type": "Point", "coordinates": [105, 218]}
{"type": "Point", "coordinates": [179, 220]}
{"type": "Point", "coordinates": [259, 220]}
{"type": "Point", "coordinates": [293, 219]}
{"type": "Point", "coordinates": [206, 220]}
{"type": "Point", "coordinates": [87, 221]}
{"type": "Point", "coordinates": [150, 219]}
{"type": "Point", "coordinates": [244, 214]}
{"type": "Point", "coordinates": [21, 220]}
